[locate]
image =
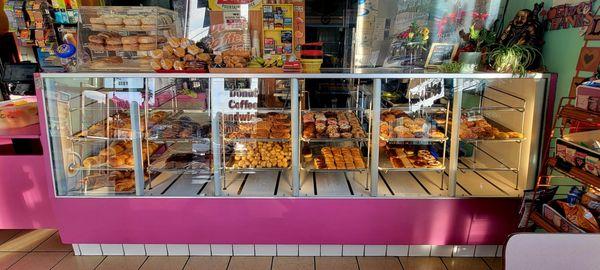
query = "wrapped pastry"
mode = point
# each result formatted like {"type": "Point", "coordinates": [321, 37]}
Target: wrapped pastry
{"type": "Point", "coordinates": [98, 27]}
{"type": "Point", "coordinates": [184, 43]}
{"type": "Point", "coordinates": [97, 20]}
{"type": "Point", "coordinates": [193, 49]}
{"type": "Point", "coordinates": [147, 39]}
{"type": "Point", "coordinates": [131, 47]}
{"type": "Point", "coordinates": [167, 50]}
{"type": "Point", "coordinates": [112, 20]}
{"type": "Point", "coordinates": [129, 40]}
{"type": "Point", "coordinates": [156, 64]}
{"type": "Point", "coordinates": [156, 54]}
{"type": "Point", "coordinates": [114, 47]}
{"type": "Point", "coordinates": [174, 42]}
{"type": "Point", "coordinates": [189, 57]}
{"type": "Point", "coordinates": [113, 41]}
{"type": "Point", "coordinates": [178, 65]}
{"type": "Point", "coordinates": [166, 64]}
{"type": "Point", "coordinates": [133, 21]}
{"type": "Point", "coordinates": [179, 52]}
{"type": "Point", "coordinates": [147, 46]}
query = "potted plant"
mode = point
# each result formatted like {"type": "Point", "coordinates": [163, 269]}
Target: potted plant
{"type": "Point", "coordinates": [408, 47]}
{"type": "Point", "coordinates": [513, 58]}
{"type": "Point", "coordinates": [478, 41]}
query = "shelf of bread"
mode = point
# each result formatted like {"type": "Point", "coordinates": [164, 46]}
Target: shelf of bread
{"type": "Point", "coordinates": [332, 125]}
{"type": "Point", "coordinates": [115, 182]}
{"type": "Point", "coordinates": [266, 127]}
{"type": "Point", "coordinates": [118, 156]}
{"type": "Point", "coordinates": [119, 127]}
{"type": "Point", "coordinates": [183, 158]}
{"type": "Point", "coordinates": [333, 159]}
{"type": "Point", "coordinates": [479, 129]}
{"type": "Point", "coordinates": [398, 126]}
{"type": "Point", "coordinates": [260, 156]}
{"type": "Point", "coordinates": [410, 158]}
{"type": "Point", "coordinates": [179, 128]}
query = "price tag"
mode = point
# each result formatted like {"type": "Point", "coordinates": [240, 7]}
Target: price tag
{"type": "Point", "coordinates": [125, 83]}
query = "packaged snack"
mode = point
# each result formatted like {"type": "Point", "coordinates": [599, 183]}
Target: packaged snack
{"type": "Point", "coordinates": [580, 159]}
{"type": "Point", "coordinates": [561, 151]}
{"type": "Point", "coordinates": [229, 36]}
{"type": "Point", "coordinates": [590, 165]}
{"type": "Point", "coordinates": [570, 156]}
{"type": "Point", "coordinates": [574, 195]}
{"type": "Point", "coordinates": [580, 216]}
{"type": "Point", "coordinates": [591, 200]}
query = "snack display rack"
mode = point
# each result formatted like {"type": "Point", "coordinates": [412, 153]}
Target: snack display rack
{"type": "Point", "coordinates": [177, 114]}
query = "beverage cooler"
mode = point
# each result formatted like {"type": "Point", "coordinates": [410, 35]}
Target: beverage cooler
{"type": "Point", "coordinates": [184, 158]}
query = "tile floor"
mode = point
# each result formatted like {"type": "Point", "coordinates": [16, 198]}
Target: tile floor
{"type": "Point", "coordinates": [42, 250]}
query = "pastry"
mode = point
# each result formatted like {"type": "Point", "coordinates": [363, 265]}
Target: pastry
{"type": "Point", "coordinates": [96, 39]}
{"type": "Point", "coordinates": [167, 50]}
{"type": "Point", "coordinates": [96, 47]}
{"type": "Point", "coordinates": [131, 47]}
{"type": "Point", "coordinates": [114, 47]}
{"type": "Point", "coordinates": [184, 43]}
{"type": "Point", "coordinates": [167, 64]}
{"type": "Point", "coordinates": [132, 21]}
{"type": "Point", "coordinates": [174, 42]}
{"type": "Point", "coordinates": [98, 27]}
{"type": "Point", "coordinates": [178, 65]}
{"type": "Point", "coordinates": [148, 27]}
{"type": "Point", "coordinates": [117, 27]}
{"type": "Point", "coordinates": [147, 39]}
{"type": "Point", "coordinates": [156, 54]}
{"type": "Point", "coordinates": [515, 135]}
{"type": "Point", "coordinates": [113, 41]}
{"type": "Point", "coordinates": [90, 162]}
{"type": "Point", "coordinates": [193, 49]}
{"type": "Point", "coordinates": [147, 46]}
{"type": "Point", "coordinates": [116, 161]}
{"type": "Point", "coordinates": [97, 20]}
{"type": "Point", "coordinates": [149, 20]}
{"type": "Point", "coordinates": [155, 64]}
{"type": "Point", "coordinates": [189, 58]}
{"type": "Point", "coordinates": [129, 40]}
{"type": "Point", "coordinates": [501, 136]}
{"type": "Point", "coordinates": [179, 52]}
{"type": "Point", "coordinates": [112, 20]}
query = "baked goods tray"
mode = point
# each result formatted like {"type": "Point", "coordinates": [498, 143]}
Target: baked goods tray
{"type": "Point", "coordinates": [310, 167]}
{"type": "Point", "coordinates": [103, 167]}
{"type": "Point", "coordinates": [499, 127]}
{"type": "Point", "coordinates": [413, 140]}
{"type": "Point", "coordinates": [229, 167]}
{"type": "Point", "coordinates": [309, 140]}
{"type": "Point", "coordinates": [386, 165]}
{"type": "Point", "coordinates": [247, 140]}
{"type": "Point", "coordinates": [123, 29]}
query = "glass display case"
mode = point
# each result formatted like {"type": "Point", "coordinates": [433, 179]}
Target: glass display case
{"type": "Point", "coordinates": [290, 135]}
{"type": "Point", "coordinates": [121, 38]}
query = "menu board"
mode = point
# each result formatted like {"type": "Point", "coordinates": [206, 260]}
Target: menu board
{"type": "Point", "coordinates": [440, 53]}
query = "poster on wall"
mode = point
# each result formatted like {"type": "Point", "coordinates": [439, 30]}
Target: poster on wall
{"type": "Point", "coordinates": [593, 30]}
{"type": "Point", "coordinates": [220, 5]}
{"type": "Point", "coordinates": [569, 15]}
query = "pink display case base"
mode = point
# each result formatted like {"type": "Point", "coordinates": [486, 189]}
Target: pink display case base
{"type": "Point", "coordinates": [287, 221]}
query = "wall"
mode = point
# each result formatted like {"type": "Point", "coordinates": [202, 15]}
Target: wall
{"type": "Point", "coordinates": [561, 50]}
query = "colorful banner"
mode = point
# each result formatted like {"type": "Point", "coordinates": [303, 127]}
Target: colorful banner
{"type": "Point", "coordinates": [220, 5]}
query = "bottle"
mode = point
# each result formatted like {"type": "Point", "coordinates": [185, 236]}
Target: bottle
{"type": "Point", "coordinates": [255, 44]}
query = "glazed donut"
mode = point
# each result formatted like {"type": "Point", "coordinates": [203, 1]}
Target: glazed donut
{"type": "Point", "coordinates": [97, 20]}
{"type": "Point", "coordinates": [131, 47]}
{"type": "Point", "coordinates": [110, 20]}
{"type": "Point", "coordinates": [114, 41]}
{"type": "Point", "coordinates": [156, 54]}
{"type": "Point", "coordinates": [129, 40]}
{"type": "Point", "coordinates": [147, 39]}
{"type": "Point", "coordinates": [147, 46]}
{"type": "Point", "coordinates": [132, 21]}
{"type": "Point", "coordinates": [179, 52]}
{"type": "Point", "coordinates": [114, 47]}
{"type": "Point", "coordinates": [96, 39]}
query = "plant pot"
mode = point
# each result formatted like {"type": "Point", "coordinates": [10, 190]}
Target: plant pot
{"type": "Point", "coordinates": [470, 61]}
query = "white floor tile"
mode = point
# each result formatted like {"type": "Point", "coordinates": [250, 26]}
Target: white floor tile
{"type": "Point", "coordinates": [265, 250]}
{"type": "Point", "coordinates": [419, 250]}
{"type": "Point", "coordinates": [397, 250]}
{"type": "Point", "coordinates": [112, 249]}
{"type": "Point", "coordinates": [90, 249]}
{"type": "Point", "coordinates": [375, 250]}
{"type": "Point", "coordinates": [309, 250]}
{"type": "Point", "coordinates": [441, 251]}
{"type": "Point", "coordinates": [134, 249]}
{"type": "Point", "coordinates": [331, 250]}
{"type": "Point", "coordinates": [499, 252]}
{"type": "Point", "coordinates": [464, 251]}
{"type": "Point", "coordinates": [221, 250]}
{"type": "Point", "coordinates": [156, 249]}
{"type": "Point", "coordinates": [287, 250]}
{"type": "Point", "coordinates": [178, 250]}
{"type": "Point", "coordinates": [243, 250]}
{"type": "Point", "coordinates": [76, 250]}
{"type": "Point", "coordinates": [485, 250]}
{"type": "Point", "coordinates": [353, 250]}
{"type": "Point", "coordinates": [200, 250]}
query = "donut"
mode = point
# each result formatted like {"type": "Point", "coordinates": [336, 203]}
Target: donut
{"type": "Point", "coordinates": [96, 39]}
{"type": "Point", "coordinates": [150, 20]}
{"type": "Point", "coordinates": [132, 21]}
{"type": "Point", "coordinates": [114, 41]}
{"type": "Point", "coordinates": [129, 40]}
{"type": "Point", "coordinates": [156, 54]}
{"type": "Point", "coordinates": [97, 20]}
{"type": "Point", "coordinates": [148, 27]}
{"type": "Point", "coordinates": [114, 47]}
{"type": "Point", "coordinates": [147, 46]}
{"type": "Point", "coordinates": [98, 27]}
{"type": "Point", "coordinates": [97, 47]}
{"type": "Point", "coordinates": [131, 47]}
{"type": "Point", "coordinates": [107, 35]}
{"type": "Point", "coordinates": [118, 27]}
{"type": "Point", "coordinates": [147, 39]}
{"type": "Point", "coordinates": [113, 20]}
